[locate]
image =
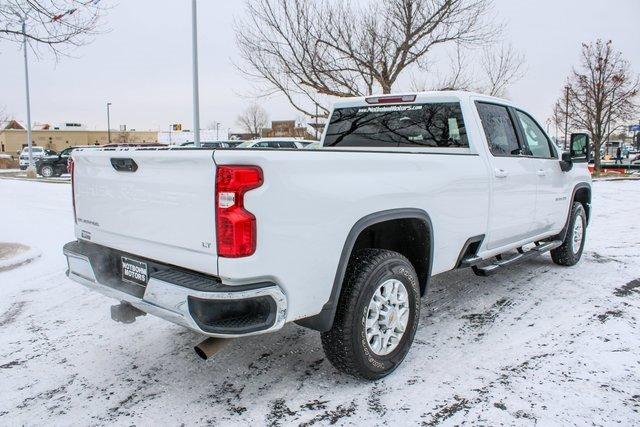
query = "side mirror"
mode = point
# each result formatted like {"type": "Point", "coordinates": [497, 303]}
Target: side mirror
{"type": "Point", "coordinates": [579, 149]}
{"type": "Point", "coordinates": [566, 164]}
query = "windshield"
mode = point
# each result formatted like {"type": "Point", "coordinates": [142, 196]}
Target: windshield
{"type": "Point", "coordinates": [411, 125]}
{"type": "Point", "coordinates": [245, 144]}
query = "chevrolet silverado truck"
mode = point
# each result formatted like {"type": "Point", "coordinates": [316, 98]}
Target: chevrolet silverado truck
{"type": "Point", "coordinates": [342, 239]}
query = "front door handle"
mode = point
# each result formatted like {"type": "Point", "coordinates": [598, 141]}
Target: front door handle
{"type": "Point", "coordinates": [541, 172]}
{"type": "Point", "coordinates": [500, 173]}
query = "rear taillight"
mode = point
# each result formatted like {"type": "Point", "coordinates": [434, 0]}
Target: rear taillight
{"type": "Point", "coordinates": [70, 169]}
{"type": "Point", "coordinates": [235, 226]}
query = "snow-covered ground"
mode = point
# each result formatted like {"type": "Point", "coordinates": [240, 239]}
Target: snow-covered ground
{"type": "Point", "coordinates": [535, 344]}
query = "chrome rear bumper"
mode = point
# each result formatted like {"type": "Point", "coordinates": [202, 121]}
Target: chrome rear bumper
{"type": "Point", "coordinates": [171, 302]}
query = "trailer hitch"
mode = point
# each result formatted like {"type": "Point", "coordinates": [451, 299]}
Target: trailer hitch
{"type": "Point", "coordinates": [125, 313]}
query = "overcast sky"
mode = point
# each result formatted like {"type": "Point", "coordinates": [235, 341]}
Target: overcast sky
{"type": "Point", "coordinates": [142, 65]}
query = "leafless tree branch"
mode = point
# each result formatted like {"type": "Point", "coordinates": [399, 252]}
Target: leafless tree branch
{"type": "Point", "coordinates": [308, 49]}
{"type": "Point", "coordinates": [56, 25]}
{"type": "Point", "coordinates": [501, 68]}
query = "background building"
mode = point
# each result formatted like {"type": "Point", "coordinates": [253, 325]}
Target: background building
{"type": "Point", "coordinates": [287, 128]}
{"type": "Point", "coordinates": [13, 137]}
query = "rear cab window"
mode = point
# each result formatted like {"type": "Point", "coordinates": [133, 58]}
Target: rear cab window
{"type": "Point", "coordinates": [432, 124]}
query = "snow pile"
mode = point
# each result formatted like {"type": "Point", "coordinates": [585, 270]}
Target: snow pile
{"type": "Point", "coordinates": [14, 254]}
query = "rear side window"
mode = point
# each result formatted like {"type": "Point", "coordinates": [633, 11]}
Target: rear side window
{"type": "Point", "coordinates": [415, 125]}
{"type": "Point", "coordinates": [534, 136]}
{"type": "Point", "coordinates": [499, 130]}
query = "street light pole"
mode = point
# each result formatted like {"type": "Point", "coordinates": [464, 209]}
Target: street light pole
{"type": "Point", "coordinates": [31, 167]}
{"type": "Point", "coordinates": [196, 100]}
{"type": "Point", "coordinates": [108, 123]}
{"type": "Point", "coordinates": [566, 116]}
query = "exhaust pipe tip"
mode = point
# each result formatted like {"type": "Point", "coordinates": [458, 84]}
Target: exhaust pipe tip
{"type": "Point", "coordinates": [201, 354]}
{"type": "Point", "coordinates": [209, 347]}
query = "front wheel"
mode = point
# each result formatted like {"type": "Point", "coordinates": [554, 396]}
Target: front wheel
{"type": "Point", "coordinates": [570, 251]}
{"type": "Point", "coordinates": [377, 315]}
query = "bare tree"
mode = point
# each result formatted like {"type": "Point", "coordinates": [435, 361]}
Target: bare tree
{"type": "Point", "coordinates": [308, 49]}
{"type": "Point", "coordinates": [602, 93]}
{"type": "Point", "coordinates": [4, 117]}
{"type": "Point", "coordinates": [501, 68]}
{"type": "Point", "coordinates": [458, 76]}
{"type": "Point", "coordinates": [253, 119]}
{"type": "Point", "coordinates": [55, 24]}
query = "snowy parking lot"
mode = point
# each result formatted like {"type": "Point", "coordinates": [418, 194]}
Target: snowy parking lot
{"type": "Point", "coordinates": [534, 344]}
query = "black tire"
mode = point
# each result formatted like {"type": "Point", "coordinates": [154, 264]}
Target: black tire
{"type": "Point", "coordinates": [346, 344]}
{"type": "Point", "coordinates": [566, 254]}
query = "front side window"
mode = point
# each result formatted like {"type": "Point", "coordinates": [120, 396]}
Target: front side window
{"type": "Point", "coordinates": [411, 125]}
{"type": "Point", "coordinates": [286, 144]}
{"type": "Point", "coordinates": [499, 129]}
{"type": "Point", "coordinates": [534, 136]}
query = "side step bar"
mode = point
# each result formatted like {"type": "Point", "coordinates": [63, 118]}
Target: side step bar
{"type": "Point", "coordinates": [522, 255]}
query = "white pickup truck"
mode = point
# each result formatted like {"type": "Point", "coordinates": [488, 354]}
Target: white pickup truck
{"type": "Point", "coordinates": [342, 239]}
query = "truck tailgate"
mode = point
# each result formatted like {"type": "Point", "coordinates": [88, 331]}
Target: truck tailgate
{"type": "Point", "coordinates": [155, 203]}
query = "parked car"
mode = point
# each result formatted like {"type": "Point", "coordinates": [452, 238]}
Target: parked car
{"type": "Point", "coordinates": [212, 144]}
{"type": "Point", "coordinates": [56, 164]}
{"type": "Point", "coordinates": [342, 240]}
{"type": "Point", "coordinates": [274, 143]}
{"type": "Point", "coordinates": [36, 152]}
{"type": "Point", "coordinates": [313, 145]}
{"type": "Point", "coordinates": [133, 144]}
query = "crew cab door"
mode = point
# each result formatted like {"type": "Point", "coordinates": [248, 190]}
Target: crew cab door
{"type": "Point", "coordinates": [513, 197]}
{"type": "Point", "coordinates": [551, 198]}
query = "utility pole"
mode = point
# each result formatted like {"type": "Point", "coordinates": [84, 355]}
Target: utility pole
{"type": "Point", "coordinates": [31, 168]}
{"type": "Point", "coordinates": [108, 123]}
{"type": "Point", "coordinates": [566, 116]}
{"type": "Point", "coordinates": [217, 131]}
{"type": "Point", "coordinates": [196, 100]}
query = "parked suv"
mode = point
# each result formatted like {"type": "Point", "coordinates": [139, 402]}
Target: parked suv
{"type": "Point", "coordinates": [56, 164]}
{"type": "Point", "coordinates": [342, 240]}
{"type": "Point", "coordinates": [36, 152]}
{"type": "Point", "coordinates": [275, 143]}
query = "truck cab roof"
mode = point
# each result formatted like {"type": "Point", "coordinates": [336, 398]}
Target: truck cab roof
{"type": "Point", "coordinates": [416, 97]}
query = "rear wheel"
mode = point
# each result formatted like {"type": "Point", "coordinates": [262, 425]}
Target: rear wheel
{"type": "Point", "coordinates": [570, 251]}
{"type": "Point", "coordinates": [377, 315]}
{"type": "Point", "coordinates": [46, 171]}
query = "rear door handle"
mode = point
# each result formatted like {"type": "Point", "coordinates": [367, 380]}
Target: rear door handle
{"type": "Point", "coordinates": [500, 173]}
{"type": "Point", "coordinates": [541, 172]}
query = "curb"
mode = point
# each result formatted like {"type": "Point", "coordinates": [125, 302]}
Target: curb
{"type": "Point", "coordinates": [48, 181]}
{"type": "Point", "coordinates": [627, 178]}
